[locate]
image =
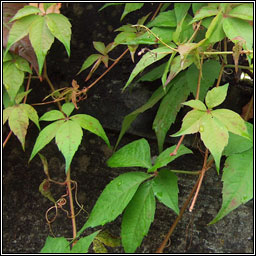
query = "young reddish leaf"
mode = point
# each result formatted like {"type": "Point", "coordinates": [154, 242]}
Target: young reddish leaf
{"type": "Point", "coordinates": [91, 124]}
{"type": "Point", "coordinates": [214, 135]}
{"type": "Point", "coordinates": [196, 104]}
{"type": "Point", "coordinates": [237, 182]}
{"type": "Point", "coordinates": [137, 218]}
{"type": "Point", "coordinates": [18, 122]}
{"type": "Point", "coordinates": [232, 121]}
{"type": "Point", "coordinates": [216, 96]}
{"type": "Point", "coordinates": [60, 27]}
{"type": "Point", "coordinates": [41, 39]}
{"type": "Point", "coordinates": [165, 187]}
{"type": "Point", "coordinates": [45, 136]}
{"type": "Point", "coordinates": [134, 154]}
{"type": "Point", "coordinates": [44, 189]}
{"type": "Point", "coordinates": [68, 138]}
{"type": "Point", "coordinates": [191, 123]}
{"type": "Point", "coordinates": [114, 198]}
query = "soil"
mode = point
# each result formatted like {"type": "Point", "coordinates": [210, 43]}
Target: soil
{"type": "Point", "coordinates": [24, 226]}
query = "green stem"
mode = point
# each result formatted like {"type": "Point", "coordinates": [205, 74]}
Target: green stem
{"type": "Point", "coordinates": [239, 66]}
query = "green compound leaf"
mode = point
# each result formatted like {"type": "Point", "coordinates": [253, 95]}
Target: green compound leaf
{"type": "Point", "coordinates": [130, 7]}
{"type": "Point", "coordinates": [82, 245]}
{"type": "Point", "coordinates": [216, 96]}
{"type": "Point", "coordinates": [114, 198]}
{"type": "Point", "coordinates": [67, 108]}
{"type": "Point", "coordinates": [237, 28]}
{"type": "Point", "coordinates": [214, 135]}
{"type": "Point", "coordinates": [52, 115]}
{"type": "Point", "coordinates": [68, 139]}
{"type": "Point", "coordinates": [196, 104]}
{"type": "Point", "coordinates": [60, 27]}
{"type": "Point", "coordinates": [25, 11]}
{"type": "Point", "coordinates": [56, 245]}
{"type": "Point", "coordinates": [237, 182]}
{"type": "Point", "coordinates": [12, 79]}
{"type": "Point", "coordinates": [45, 136]}
{"type": "Point", "coordinates": [165, 187]}
{"type": "Point", "coordinates": [233, 121]}
{"type": "Point", "coordinates": [164, 158]}
{"type": "Point", "coordinates": [243, 11]}
{"type": "Point", "coordinates": [134, 154]}
{"type": "Point", "coordinates": [191, 122]}
{"type": "Point", "coordinates": [41, 39]}
{"type": "Point", "coordinates": [89, 61]}
{"type": "Point", "coordinates": [146, 60]}
{"type": "Point", "coordinates": [238, 144]}
{"type": "Point", "coordinates": [31, 113]}
{"type": "Point", "coordinates": [138, 217]}
{"type": "Point", "coordinates": [164, 19]}
{"type": "Point", "coordinates": [91, 124]}
{"type": "Point", "coordinates": [18, 122]}
{"type": "Point", "coordinates": [20, 29]}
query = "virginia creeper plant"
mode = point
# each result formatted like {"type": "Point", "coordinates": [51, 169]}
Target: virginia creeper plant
{"type": "Point", "coordinates": [192, 42]}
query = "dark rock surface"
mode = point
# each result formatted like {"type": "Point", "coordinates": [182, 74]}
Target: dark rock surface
{"type": "Point", "coordinates": [23, 215]}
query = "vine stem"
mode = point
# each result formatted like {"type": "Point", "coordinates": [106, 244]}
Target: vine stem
{"type": "Point", "coordinates": [167, 237]}
{"type": "Point", "coordinates": [73, 217]}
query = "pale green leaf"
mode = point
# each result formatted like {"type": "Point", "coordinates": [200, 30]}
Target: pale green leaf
{"type": "Point", "coordinates": [237, 182]}
{"type": "Point", "coordinates": [56, 245]}
{"type": "Point", "coordinates": [238, 144]}
{"type": "Point", "coordinates": [114, 198]}
{"type": "Point", "coordinates": [214, 136]}
{"type": "Point", "coordinates": [233, 121]}
{"type": "Point", "coordinates": [22, 64]}
{"type": "Point", "coordinates": [68, 138]}
{"type": "Point", "coordinates": [25, 11]}
{"type": "Point", "coordinates": [134, 154]}
{"type": "Point", "coordinates": [138, 217]}
{"type": "Point", "coordinates": [67, 108]}
{"type": "Point", "coordinates": [20, 29]}
{"type": "Point", "coordinates": [82, 245]}
{"type": "Point", "coordinates": [31, 113]}
{"type": "Point", "coordinates": [52, 115]}
{"type": "Point", "coordinates": [197, 6]}
{"type": "Point", "coordinates": [100, 47]}
{"type": "Point", "coordinates": [12, 79]}
{"type": "Point", "coordinates": [164, 158]}
{"type": "Point", "coordinates": [169, 107]}
{"type": "Point", "coordinates": [47, 5]}
{"type": "Point", "coordinates": [181, 10]}
{"type": "Point", "coordinates": [91, 124]}
{"type": "Point", "coordinates": [216, 96]}
{"type": "Point", "coordinates": [148, 59]}
{"type": "Point", "coordinates": [7, 56]}
{"type": "Point", "coordinates": [237, 28]}
{"type": "Point", "coordinates": [89, 61]}
{"type": "Point", "coordinates": [165, 187]}
{"type": "Point", "coordinates": [130, 7]}
{"type": "Point", "coordinates": [6, 113]}
{"type": "Point", "coordinates": [243, 11]}
{"type": "Point", "coordinates": [18, 122]}
{"type": "Point", "coordinates": [196, 104]}
{"type": "Point", "coordinates": [164, 19]}
{"type": "Point", "coordinates": [20, 95]}
{"type": "Point", "coordinates": [205, 11]}
{"type": "Point", "coordinates": [60, 27]}
{"type": "Point", "coordinates": [45, 136]}
{"type": "Point", "coordinates": [41, 39]}
{"type": "Point", "coordinates": [190, 123]}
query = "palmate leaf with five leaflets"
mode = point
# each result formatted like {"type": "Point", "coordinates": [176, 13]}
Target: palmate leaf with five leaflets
{"type": "Point", "coordinates": [213, 125]}
{"type": "Point", "coordinates": [68, 132]}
